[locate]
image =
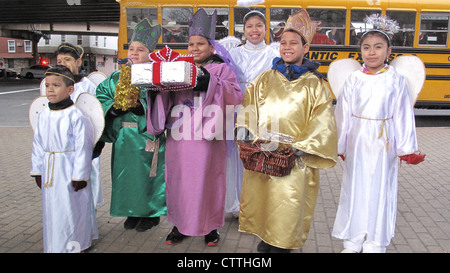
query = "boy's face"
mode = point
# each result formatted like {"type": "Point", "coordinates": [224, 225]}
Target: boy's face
{"type": "Point", "coordinates": [56, 89]}
{"type": "Point", "coordinates": [69, 62]}
{"type": "Point", "coordinates": [138, 53]}
{"type": "Point", "coordinates": [292, 49]}
{"type": "Point", "coordinates": [200, 48]}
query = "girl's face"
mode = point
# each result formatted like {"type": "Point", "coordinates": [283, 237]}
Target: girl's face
{"type": "Point", "coordinates": [255, 30]}
{"type": "Point", "coordinates": [292, 49]}
{"type": "Point", "coordinates": [138, 53]}
{"type": "Point", "coordinates": [55, 88]}
{"type": "Point", "coordinates": [375, 51]}
{"type": "Point", "coordinates": [200, 48]}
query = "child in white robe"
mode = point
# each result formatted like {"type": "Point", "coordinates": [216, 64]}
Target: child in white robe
{"type": "Point", "coordinates": [61, 165]}
{"type": "Point", "coordinates": [251, 59]}
{"type": "Point", "coordinates": [70, 56]}
{"type": "Point", "coordinates": [376, 125]}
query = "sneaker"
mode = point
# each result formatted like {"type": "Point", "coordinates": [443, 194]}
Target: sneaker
{"type": "Point", "coordinates": [175, 237]}
{"type": "Point", "coordinates": [131, 222]}
{"type": "Point", "coordinates": [147, 223]}
{"type": "Point", "coordinates": [213, 238]}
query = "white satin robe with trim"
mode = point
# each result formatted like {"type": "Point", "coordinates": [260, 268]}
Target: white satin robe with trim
{"type": "Point", "coordinates": [375, 122]}
{"type": "Point", "coordinates": [62, 152]}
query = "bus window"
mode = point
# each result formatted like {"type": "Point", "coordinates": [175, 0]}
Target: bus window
{"type": "Point", "coordinates": [434, 29]}
{"type": "Point", "coordinates": [406, 21]}
{"type": "Point", "coordinates": [239, 14]}
{"type": "Point", "coordinates": [223, 21]}
{"type": "Point", "coordinates": [331, 29]}
{"type": "Point", "coordinates": [135, 15]}
{"type": "Point", "coordinates": [278, 18]}
{"type": "Point", "coordinates": [175, 24]}
{"type": "Point", "coordinates": [358, 26]}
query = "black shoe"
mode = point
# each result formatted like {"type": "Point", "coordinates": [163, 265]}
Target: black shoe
{"type": "Point", "coordinates": [275, 249]}
{"type": "Point", "coordinates": [131, 222]}
{"type": "Point", "coordinates": [147, 223]}
{"type": "Point", "coordinates": [213, 238]}
{"type": "Point", "coordinates": [263, 247]}
{"type": "Point", "coordinates": [175, 237]}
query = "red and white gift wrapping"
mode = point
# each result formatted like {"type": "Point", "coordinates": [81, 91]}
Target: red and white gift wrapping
{"type": "Point", "coordinates": [168, 71]}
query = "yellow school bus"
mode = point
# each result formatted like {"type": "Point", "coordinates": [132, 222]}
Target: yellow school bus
{"type": "Point", "coordinates": [424, 30]}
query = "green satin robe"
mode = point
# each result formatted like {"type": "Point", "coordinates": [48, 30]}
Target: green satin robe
{"type": "Point", "coordinates": [137, 175]}
{"type": "Point", "coordinates": [297, 114]}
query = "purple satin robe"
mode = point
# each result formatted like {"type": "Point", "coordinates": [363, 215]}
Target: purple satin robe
{"type": "Point", "coordinates": [197, 126]}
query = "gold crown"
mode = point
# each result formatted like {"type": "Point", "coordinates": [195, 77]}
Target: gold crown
{"type": "Point", "coordinates": [302, 24]}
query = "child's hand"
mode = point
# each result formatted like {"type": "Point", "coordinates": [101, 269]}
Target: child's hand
{"type": "Point", "coordinates": [78, 185]}
{"type": "Point", "coordinates": [38, 180]}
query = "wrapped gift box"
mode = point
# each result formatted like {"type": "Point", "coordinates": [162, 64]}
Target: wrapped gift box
{"type": "Point", "coordinates": [176, 73]}
{"type": "Point", "coordinates": [142, 74]}
{"type": "Point", "coordinates": [164, 75]}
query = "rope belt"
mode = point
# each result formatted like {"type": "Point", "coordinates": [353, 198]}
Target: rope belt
{"type": "Point", "coordinates": [51, 155]}
{"type": "Point", "coordinates": [383, 125]}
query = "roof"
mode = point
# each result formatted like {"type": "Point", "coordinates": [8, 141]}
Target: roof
{"type": "Point", "coordinates": [58, 11]}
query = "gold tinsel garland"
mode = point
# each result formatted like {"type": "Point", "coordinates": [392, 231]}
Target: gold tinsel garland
{"type": "Point", "coordinates": [127, 95]}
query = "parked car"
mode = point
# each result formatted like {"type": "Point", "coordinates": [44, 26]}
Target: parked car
{"type": "Point", "coordinates": [35, 71]}
{"type": "Point", "coordinates": [7, 73]}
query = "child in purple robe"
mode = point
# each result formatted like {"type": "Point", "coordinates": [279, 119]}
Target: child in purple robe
{"type": "Point", "coordinates": [196, 121]}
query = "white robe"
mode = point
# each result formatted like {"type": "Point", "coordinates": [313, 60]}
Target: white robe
{"type": "Point", "coordinates": [251, 60]}
{"type": "Point", "coordinates": [62, 152]}
{"type": "Point", "coordinates": [87, 86]}
{"type": "Point", "coordinates": [375, 122]}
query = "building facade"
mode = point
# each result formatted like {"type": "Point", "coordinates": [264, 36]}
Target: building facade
{"type": "Point", "coordinates": [15, 53]}
{"type": "Point", "coordinates": [100, 52]}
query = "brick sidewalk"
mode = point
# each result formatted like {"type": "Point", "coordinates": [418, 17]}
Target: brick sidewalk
{"type": "Point", "coordinates": [422, 218]}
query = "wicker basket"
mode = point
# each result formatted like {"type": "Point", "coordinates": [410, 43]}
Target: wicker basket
{"type": "Point", "coordinates": [276, 163]}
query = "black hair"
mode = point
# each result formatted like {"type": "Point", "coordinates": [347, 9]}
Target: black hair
{"type": "Point", "coordinates": [376, 32]}
{"type": "Point", "coordinates": [291, 30]}
{"type": "Point", "coordinates": [254, 13]}
{"type": "Point", "coordinates": [66, 48]}
{"type": "Point", "coordinates": [64, 72]}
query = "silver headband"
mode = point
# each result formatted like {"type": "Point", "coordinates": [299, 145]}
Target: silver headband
{"type": "Point", "coordinates": [256, 12]}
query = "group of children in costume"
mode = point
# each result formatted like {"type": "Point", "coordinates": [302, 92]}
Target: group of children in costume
{"type": "Point", "coordinates": [196, 179]}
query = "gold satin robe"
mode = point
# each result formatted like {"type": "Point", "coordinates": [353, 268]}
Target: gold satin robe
{"type": "Point", "coordinates": [280, 209]}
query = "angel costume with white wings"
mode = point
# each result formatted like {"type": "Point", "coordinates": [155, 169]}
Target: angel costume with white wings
{"type": "Point", "coordinates": [62, 152]}
{"type": "Point", "coordinates": [375, 124]}
{"type": "Point", "coordinates": [88, 85]}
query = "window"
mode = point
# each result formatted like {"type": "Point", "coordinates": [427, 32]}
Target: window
{"type": "Point", "coordinates": [331, 28]}
{"type": "Point", "coordinates": [175, 24]}
{"type": "Point", "coordinates": [357, 24]}
{"type": "Point", "coordinates": [79, 40]}
{"type": "Point", "coordinates": [278, 18]}
{"type": "Point", "coordinates": [222, 27]}
{"type": "Point", "coordinates": [63, 38]}
{"type": "Point", "coordinates": [28, 46]}
{"type": "Point", "coordinates": [11, 46]}
{"type": "Point", "coordinates": [135, 15]}
{"type": "Point", "coordinates": [406, 21]}
{"type": "Point", "coordinates": [239, 14]}
{"type": "Point", "coordinates": [434, 29]}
